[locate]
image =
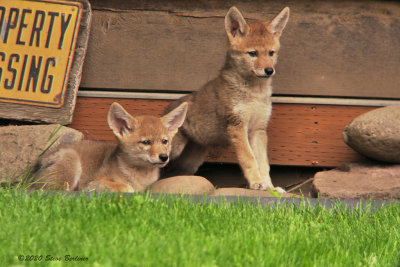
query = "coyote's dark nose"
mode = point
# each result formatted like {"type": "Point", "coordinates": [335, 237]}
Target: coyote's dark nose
{"type": "Point", "coordinates": [163, 157]}
{"type": "Point", "coordinates": [269, 71]}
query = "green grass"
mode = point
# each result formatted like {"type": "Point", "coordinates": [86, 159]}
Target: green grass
{"type": "Point", "coordinates": [141, 231]}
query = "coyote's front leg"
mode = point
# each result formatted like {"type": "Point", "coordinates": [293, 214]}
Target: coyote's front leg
{"type": "Point", "coordinates": [258, 141]}
{"type": "Point", "coordinates": [246, 158]}
{"type": "Point", "coordinates": [105, 184]}
{"type": "Point", "coordinates": [259, 144]}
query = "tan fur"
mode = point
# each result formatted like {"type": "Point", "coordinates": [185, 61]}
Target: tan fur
{"type": "Point", "coordinates": [235, 107]}
{"type": "Point", "coordinates": [130, 165]}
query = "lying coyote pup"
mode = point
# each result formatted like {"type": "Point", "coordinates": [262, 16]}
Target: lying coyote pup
{"type": "Point", "coordinates": [235, 107]}
{"type": "Point", "coordinates": [131, 165]}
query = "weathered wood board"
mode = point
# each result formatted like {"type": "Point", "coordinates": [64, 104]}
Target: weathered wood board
{"type": "Point", "coordinates": [299, 135]}
{"type": "Point", "coordinates": [350, 48]}
{"type": "Point", "coordinates": [42, 50]}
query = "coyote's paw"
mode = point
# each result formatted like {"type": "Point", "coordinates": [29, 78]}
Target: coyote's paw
{"type": "Point", "coordinates": [98, 186]}
{"type": "Point", "coordinates": [266, 187]}
{"type": "Point", "coordinates": [260, 186]}
{"type": "Point", "coordinates": [279, 190]}
{"type": "Point", "coordinates": [104, 185]}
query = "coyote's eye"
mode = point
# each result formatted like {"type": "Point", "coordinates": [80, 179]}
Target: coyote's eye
{"type": "Point", "coordinates": [145, 142]}
{"type": "Point", "coordinates": [252, 53]}
{"type": "Point", "coordinates": [164, 141]}
{"type": "Point", "coordinates": [271, 53]}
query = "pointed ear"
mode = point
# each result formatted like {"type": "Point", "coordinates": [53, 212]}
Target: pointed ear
{"type": "Point", "coordinates": [235, 24]}
{"type": "Point", "coordinates": [277, 25]}
{"type": "Point", "coordinates": [120, 121]}
{"type": "Point", "coordinates": [175, 118]}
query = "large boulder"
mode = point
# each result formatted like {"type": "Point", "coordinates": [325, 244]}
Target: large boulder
{"type": "Point", "coordinates": [359, 181]}
{"type": "Point", "coordinates": [190, 184]}
{"type": "Point", "coordinates": [20, 146]}
{"type": "Point", "coordinates": [376, 134]}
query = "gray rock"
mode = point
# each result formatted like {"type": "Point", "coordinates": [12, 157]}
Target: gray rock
{"type": "Point", "coordinates": [195, 185]}
{"type": "Point", "coordinates": [359, 181]}
{"type": "Point", "coordinates": [20, 146]}
{"type": "Point", "coordinates": [376, 134]}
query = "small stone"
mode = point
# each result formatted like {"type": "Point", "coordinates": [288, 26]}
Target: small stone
{"type": "Point", "coordinates": [359, 181]}
{"type": "Point", "coordinates": [376, 134]}
{"type": "Point", "coordinates": [20, 146]}
{"type": "Point", "coordinates": [195, 185]}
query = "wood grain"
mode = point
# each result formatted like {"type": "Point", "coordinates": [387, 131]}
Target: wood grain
{"type": "Point", "coordinates": [347, 49]}
{"type": "Point", "coordinates": [299, 135]}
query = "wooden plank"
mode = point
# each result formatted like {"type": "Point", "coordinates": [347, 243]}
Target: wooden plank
{"type": "Point", "coordinates": [42, 81]}
{"type": "Point", "coordinates": [299, 134]}
{"type": "Point", "coordinates": [328, 49]}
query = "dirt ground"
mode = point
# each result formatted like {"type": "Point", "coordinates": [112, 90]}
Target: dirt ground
{"type": "Point", "coordinates": [294, 179]}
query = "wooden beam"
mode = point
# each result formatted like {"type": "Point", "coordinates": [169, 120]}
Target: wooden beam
{"type": "Point", "coordinates": [275, 99]}
{"type": "Point", "coordinates": [299, 134]}
{"type": "Point", "coordinates": [327, 49]}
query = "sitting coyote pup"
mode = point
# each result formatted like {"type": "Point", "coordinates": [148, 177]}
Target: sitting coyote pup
{"type": "Point", "coordinates": [235, 107]}
{"type": "Point", "coordinates": [131, 165]}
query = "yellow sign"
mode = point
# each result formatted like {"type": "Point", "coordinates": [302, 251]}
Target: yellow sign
{"type": "Point", "coordinates": [37, 44]}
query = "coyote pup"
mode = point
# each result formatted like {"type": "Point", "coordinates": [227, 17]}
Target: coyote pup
{"type": "Point", "coordinates": [235, 107]}
{"type": "Point", "coordinates": [144, 145]}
